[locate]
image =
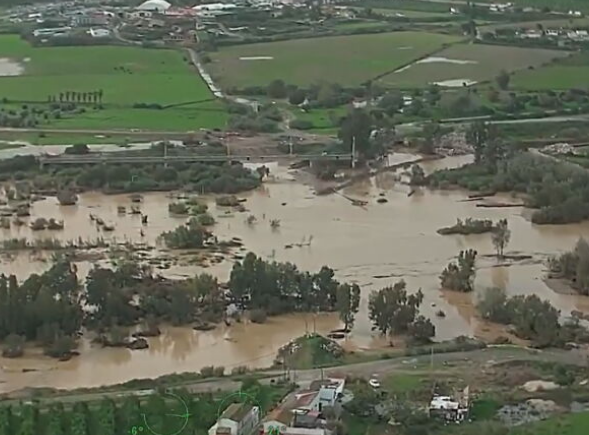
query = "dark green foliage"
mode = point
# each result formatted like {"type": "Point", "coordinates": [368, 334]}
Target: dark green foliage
{"type": "Point", "coordinates": [560, 191]}
{"type": "Point", "coordinates": [52, 298]}
{"type": "Point", "coordinates": [532, 318]}
{"type": "Point", "coordinates": [393, 311]}
{"type": "Point", "coordinates": [189, 236]}
{"type": "Point", "coordinates": [281, 287]}
{"type": "Point", "coordinates": [197, 177]}
{"type": "Point", "coordinates": [573, 266]}
{"type": "Point", "coordinates": [459, 275]}
{"type": "Point", "coordinates": [468, 226]}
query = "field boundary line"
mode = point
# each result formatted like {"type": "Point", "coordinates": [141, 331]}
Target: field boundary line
{"type": "Point", "coordinates": [425, 56]}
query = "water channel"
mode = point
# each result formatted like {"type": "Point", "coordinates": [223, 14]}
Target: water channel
{"type": "Point", "coordinates": [374, 246]}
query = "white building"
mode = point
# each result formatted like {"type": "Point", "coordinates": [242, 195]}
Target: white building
{"type": "Point", "coordinates": [215, 7]}
{"type": "Point", "coordinates": [99, 33]}
{"type": "Point", "coordinates": [159, 6]}
{"type": "Point", "coordinates": [237, 419]}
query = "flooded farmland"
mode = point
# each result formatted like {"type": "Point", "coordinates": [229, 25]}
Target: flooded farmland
{"type": "Point", "coordinates": [374, 246]}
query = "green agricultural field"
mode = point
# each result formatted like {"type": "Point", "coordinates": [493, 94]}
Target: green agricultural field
{"type": "Point", "coordinates": [569, 73]}
{"type": "Point", "coordinates": [407, 13]}
{"type": "Point", "coordinates": [555, 5]}
{"type": "Point", "coordinates": [571, 424]}
{"type": "Point", "coordinates": [347, 60]}
{"type": "Point", "coordinates": [469, 62]}
{"type": "Point", "coordinates": [126, 75]}
{"type": "Point", "coordinates": [406, 5]}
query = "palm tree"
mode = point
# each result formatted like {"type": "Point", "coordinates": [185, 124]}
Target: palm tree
{"type": "Point", "coordinates": [100, 95]}
{"type": "Point", "coordinates": [60, 97]}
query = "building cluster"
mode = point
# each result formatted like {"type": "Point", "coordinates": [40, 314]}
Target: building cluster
{"type": "Point", "coordinates": [300, 413]}
{"type": "Point", "coordinates": [574, 35]}
{"type": "Point", "coordinates": [152, 20]}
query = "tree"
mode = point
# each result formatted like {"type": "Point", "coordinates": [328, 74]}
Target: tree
{"type": "Point", "coordinates": [297, 97]}
{"type": "Point", "coordinates": [277, 89]}
{"type": "Point", "coordinates": [422, 330]}
{"type": "Point", "coordinates": [493, 305]}
{"type": "Point", "coordinates": [460, 276]}
{"type": "Point", "coordinates": [418, 177]}
{"type": "Point", "coordinates": [356, 128]}
{"type": "Point", "coordinates": [503, 80]}
{"type": "Point", "coordinates": [67, 197]}
{"type": "Point", "coordinates": [13, 346]}
{"type": "Point", "coordinates": [501, 236]}
{"type": "Point", "coordinates": [391, 102]}
{"type": "Point", "coordinates": [431, 134]}
{"type": "Point", "coordinates": [347, 303]}
{"type": "Point", "coordinates": [478, 134]}
{"type": "Point", "coordinates": [392, 310]}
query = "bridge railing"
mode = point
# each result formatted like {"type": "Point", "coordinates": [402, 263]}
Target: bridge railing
{"type": "Point", "coordinates": [102, 158]}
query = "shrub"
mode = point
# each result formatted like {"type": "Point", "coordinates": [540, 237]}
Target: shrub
{"type": "Point", "coordinates": [258, 316]}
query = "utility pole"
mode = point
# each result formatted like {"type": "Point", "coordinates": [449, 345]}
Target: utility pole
{"type": "Point", "coordinates": [353, 152]}
{"type": "Point", "coordinates": [165, 154]}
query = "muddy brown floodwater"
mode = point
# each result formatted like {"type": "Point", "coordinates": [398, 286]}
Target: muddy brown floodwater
{"type": "Point", "coordinates": [374, 246]}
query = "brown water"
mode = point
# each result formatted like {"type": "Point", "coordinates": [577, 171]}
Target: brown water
{"type": "Point", "coordinates": [373, 246]}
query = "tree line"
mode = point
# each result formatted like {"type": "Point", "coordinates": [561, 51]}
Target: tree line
{"type": "Point", "coordinates": [558, 191]}
{"type": "Point", "coordinates": [109, 417]}
{"type": "Point", "coordinates": [52, 307]}
{"type": "Point", "coordinates": [123, 178]}
{"type": "Point", "coordinates": [77, 97]}
{"type": "Point", "coordinates": [531, 319]}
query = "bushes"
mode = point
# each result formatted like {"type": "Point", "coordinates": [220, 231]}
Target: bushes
{"type": "Point", "coordinates": [258, 316]}
{"type": "Point", "coordinates": [301, 124]}
{"type": "Point", "coordinates": [559, 190]}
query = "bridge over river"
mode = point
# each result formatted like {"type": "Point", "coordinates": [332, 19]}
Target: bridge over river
{"type": "Point", "coordinates": [111, 158]}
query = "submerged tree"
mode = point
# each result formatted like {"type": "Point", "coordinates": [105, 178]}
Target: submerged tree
{"type": "Point", "coordinates": [392, 310]}
{"type": "Point", "coordinates": [347, 303]}
{"type": "Point", "coordinates": [501, 236]}
{"type": "Point", "coordinates": [460, 275]}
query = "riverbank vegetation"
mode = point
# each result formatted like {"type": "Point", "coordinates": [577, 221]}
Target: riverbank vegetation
{"type": "Point", "coordinates": [573, 266]}
{"type": "Point", "coordinates": [531, 319]}
{"type": "Point", "coordinates": [125, 178]}
{"type": "Point", "coordinates": [558, 190]}
{"type": "Point", "coordinates": [48, 307]}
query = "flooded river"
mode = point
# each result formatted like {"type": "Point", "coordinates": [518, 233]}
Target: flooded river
{"type": "Point", "coordinates": [374, 246]}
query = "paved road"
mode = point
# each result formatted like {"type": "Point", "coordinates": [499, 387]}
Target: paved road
{"type": "Point", "coordinates": [303, 378]}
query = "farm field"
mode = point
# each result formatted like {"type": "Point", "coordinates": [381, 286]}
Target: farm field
{"type": "Point", "coordinates": [469, 63]}
{"type": "Point", "coordinates": [126, 75]}
{"type": "Point", "coordinates": [567, 23]}
{"type": "Point", "coordinates": [347, 60]}
{"type": "Point", "coordinates": [556, 5]}
{"type": "Point", "coordinates": [569, 73]}
{"type": "Point", "coordinates": [407, 13]}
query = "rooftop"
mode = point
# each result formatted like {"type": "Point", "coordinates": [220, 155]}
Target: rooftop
{"type": "Point", "coordinates": [237, 411]}
{"type": "Point", "coordinates": [305, 398]}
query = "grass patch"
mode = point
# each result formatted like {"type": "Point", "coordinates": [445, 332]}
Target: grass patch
{"type": "Point", "coordinates": [484, 62]}
{"type": "Point", "coordinates": [407, 13]}
{"type": "Point", "coordinates": [403, 384]}
{"type": "Point", "coordinates": [347, 60]}
{"type": "Point", "coordinates": [568, 73]}
{"type": "Point", "coordinates": [126, 75]}
{"type": "Point", "coordinates": [571, 424]}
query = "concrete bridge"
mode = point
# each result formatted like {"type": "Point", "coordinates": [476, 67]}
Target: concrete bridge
{"type": "Point", "coordinates": [90, 159]}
